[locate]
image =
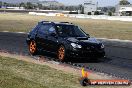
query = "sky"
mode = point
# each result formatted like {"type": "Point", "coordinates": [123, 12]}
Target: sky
{"type": "Point", "coordinates": [101, 2]}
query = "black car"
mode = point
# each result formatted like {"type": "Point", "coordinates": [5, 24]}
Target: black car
{"type": "Point", "coordinates": [65, 40]}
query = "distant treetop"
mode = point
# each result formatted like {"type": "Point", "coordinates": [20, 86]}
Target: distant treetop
{"type": "Point", "coordinates": [124, 2]}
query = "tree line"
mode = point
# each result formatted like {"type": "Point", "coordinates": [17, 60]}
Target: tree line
{"type": "Point", "coordinates": [124, 2]}
{"type": "Point", "coordinates": [29, 5]}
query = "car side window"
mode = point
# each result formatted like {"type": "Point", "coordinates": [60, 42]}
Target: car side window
{"type": "Point", "coordinates": [52, 30]}
{"type": "Point", "coordinates": [44, 28]}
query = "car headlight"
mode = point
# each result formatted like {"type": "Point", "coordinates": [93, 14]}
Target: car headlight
{"type": "Point", "coordinates": [102, 46]}
{"type": "Point", "coordinates": [76, 45]}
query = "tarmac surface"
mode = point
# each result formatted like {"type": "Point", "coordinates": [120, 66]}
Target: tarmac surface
{"type": "Point", "coordinates": [118, 62]}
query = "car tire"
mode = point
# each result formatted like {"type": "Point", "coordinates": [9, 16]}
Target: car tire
{"type": "Point", "coordinates": [61, 53]}
{"type": "Point", "coordinates": [33, 47]}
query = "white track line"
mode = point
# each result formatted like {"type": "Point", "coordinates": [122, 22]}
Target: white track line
{"type": "Point", "coordinates": [14, 32]}
{"type": "Point", "coordinates": [115, 40]}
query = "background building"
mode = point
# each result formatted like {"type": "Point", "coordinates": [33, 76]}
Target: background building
{"type": "Point", "coordinates": [90, 6]}
{"type": "Point", "coordinates": [124, 10]}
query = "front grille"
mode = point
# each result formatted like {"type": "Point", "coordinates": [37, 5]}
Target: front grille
{"type": "Point", "coordinates": [92, 48]}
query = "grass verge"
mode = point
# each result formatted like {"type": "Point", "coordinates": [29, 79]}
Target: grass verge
{"type": "Point", "coordinates": [19, 74]}
{"type": "Point", "coordinates": [16, 73]}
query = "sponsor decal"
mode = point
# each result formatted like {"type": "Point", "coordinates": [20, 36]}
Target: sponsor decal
{"type": "Point", "coordinates": [85, 81]}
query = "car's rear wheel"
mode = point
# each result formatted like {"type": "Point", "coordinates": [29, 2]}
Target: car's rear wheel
{"type": "Point", "coordinates": [61, 53]}
{"type": "Point", "coordinates": [33, 47]}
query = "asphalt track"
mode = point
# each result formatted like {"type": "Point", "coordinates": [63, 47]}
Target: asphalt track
{"type": "Point", "coordinates": [118, 62]}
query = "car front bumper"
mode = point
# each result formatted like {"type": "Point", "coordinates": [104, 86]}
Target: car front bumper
{"type": "Point", "coordinates": [86, 54]}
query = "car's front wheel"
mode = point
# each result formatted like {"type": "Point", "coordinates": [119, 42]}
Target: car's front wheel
{"type": "Point", "coordinates": [61, 53]}
{"type": "Point", "coordinates": [33, 47]}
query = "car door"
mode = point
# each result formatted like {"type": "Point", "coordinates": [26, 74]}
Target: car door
{"type": "Point", "coordinates": [52, 39]}
{"type": "Point", "coordinates": [42, 36]}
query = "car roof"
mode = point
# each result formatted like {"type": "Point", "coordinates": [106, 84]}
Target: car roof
{"type": "Point", "coordinates": [56, 23]}
{"type": "Point", "coordinates": [62, 24]}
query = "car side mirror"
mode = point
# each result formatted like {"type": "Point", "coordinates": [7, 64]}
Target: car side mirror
{"type": "Point", "coordinates": [88, 35]}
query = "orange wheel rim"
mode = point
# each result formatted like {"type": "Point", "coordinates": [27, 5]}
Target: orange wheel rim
{"type": "Point", "coordinates": [61, 53]}
{"type": "Point", "coordinates": [32, 47]}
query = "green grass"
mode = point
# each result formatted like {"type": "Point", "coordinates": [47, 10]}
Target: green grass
{"type": "Point", "coordinates": [96, 28]}
{"type": "Point", "coordinates": [20, 74]}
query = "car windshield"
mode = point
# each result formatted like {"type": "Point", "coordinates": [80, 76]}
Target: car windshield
{"type": "Point", "coordinates": [70, 31]}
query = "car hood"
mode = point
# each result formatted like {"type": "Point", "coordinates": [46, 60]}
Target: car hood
{"type": "Point", "coordinates": [82, 40]}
